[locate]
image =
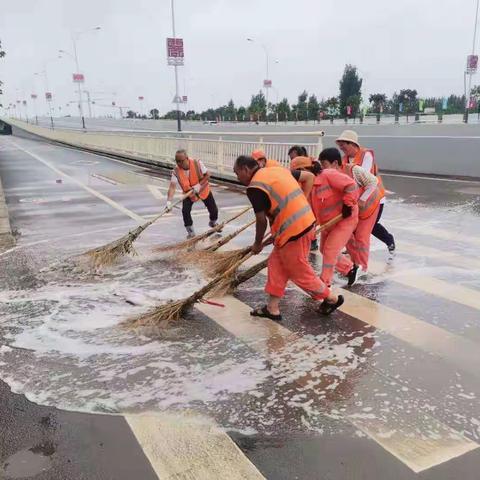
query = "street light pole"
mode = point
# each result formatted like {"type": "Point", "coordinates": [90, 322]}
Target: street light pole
{"type": "Point", "coordinates": [80, 105]}
{"type": "Point", "coordinates": [470, 74]}
{"type": "Point", "coordinates": [179, 119]}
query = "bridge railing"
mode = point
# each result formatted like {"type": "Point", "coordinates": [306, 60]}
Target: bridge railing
{"type": "Point", "coordinates": [218, 154]}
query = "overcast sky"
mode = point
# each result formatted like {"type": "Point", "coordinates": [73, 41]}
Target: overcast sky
{"type": "Point", "coordinates": [398, 44]}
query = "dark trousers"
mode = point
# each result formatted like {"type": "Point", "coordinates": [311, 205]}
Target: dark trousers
{"type": "Point", "coordinates": [187, 210]}
{"type": "Point", "coordinates": [380, 232]}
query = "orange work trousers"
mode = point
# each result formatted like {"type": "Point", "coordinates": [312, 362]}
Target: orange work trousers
{"type": "Point", "coordinates": [290, 262]}
{"type": "Point", "coordinates": [332, 241]}
{"type": "Point", "coordinates": [358, 247]}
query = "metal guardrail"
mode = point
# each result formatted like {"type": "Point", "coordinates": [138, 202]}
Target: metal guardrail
{"type": "Point", "coordinates": [218, 154]}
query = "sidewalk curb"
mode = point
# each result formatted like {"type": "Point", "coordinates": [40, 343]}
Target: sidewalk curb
{"type": "Point", "coordinates": [7, 240]}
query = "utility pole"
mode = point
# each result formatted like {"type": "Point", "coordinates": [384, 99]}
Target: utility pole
{"type": "Point", "coordinates": [470, 71]}
{"type": "Point", "coordinates": [177, 97]}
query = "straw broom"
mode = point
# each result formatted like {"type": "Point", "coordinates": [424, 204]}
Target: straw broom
{"type": "Point", "coordinates": [172, 311]}
{"type": "Point", "coordinates": [209, 260]}
{"type": "Point", "coordinates": [111, 252]}
{"type": "Point", "coordinates": [191, 242]}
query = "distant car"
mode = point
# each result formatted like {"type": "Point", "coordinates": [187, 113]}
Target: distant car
{"type": "Point", "coordinates": [210, 122]}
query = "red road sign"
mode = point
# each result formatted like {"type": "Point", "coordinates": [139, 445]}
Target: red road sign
{"type": "Point", "coordinates": [78, 78]}
{"type": "Point", "coordinates": [175, 53]}
{"type": "Point", "coordinates": [472, 63]}
{"type": "Point", "coordinates": [267, 83]}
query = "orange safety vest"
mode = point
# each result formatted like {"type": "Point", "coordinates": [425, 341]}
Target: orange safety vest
{"type": "Point", "coordinates": [358, 160]}
{"type": "Point", "coordinates": [195, 176]}
{"type": "Point", "coordinates": [366, 209]}
{"type": "Point", "coordinates": [272, 163]}
{"type": "Point", "coordinates": [290, 213]}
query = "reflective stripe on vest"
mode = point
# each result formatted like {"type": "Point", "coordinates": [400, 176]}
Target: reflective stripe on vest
{"type": "Point", "coordinates": [289, 214]}
{"type": "Point", "coordinates": [195, 176]}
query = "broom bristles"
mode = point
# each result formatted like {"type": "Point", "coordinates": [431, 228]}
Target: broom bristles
{"type": "Point", "coordinates": [163, 315]}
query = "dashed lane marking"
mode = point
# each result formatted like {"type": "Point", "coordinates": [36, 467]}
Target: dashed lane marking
{"type": "Point", "coordinates": [90, 190]}
{"type": "Point", "coordinates": [187, 447]}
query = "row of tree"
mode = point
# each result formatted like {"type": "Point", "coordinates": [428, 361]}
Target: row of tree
{"type": "Point", "coordinates": [308, 107]}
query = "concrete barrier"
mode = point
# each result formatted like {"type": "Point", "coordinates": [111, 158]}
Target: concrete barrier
{"type": "Point", "coordinates": [7, 240]}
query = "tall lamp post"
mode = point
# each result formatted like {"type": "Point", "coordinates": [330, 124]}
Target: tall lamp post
{"type": "Point", "coordinates": [175, 57]}
{"type": "Point", "coordinates": [78, 77]}
{"type": "Point", "coordinates": [472, 61]}
{"type": "Point", "coordinates": [267, 83]}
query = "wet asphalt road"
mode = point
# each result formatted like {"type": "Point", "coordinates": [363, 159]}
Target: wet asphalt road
{"type": "Point", "coordinates": [386, 387]}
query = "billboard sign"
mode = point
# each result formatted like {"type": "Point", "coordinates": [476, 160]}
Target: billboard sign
{"type": "Point", "coordinates": [472, 64]}
{"type": "Point", "coordinates": [78, 78]}
{"type": "Point", "coordinates": [175, 53]}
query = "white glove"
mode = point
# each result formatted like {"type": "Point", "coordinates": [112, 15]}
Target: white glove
{"type": "Point", "coordinates": [168, 205]}
{"type": "Point", "coordinates": [197, 188]}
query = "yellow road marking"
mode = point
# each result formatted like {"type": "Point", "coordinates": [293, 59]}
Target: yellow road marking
{"type": "Point", "coordinates": [187, 447]}
{"type": "Point", "coordinates": [90, 190]}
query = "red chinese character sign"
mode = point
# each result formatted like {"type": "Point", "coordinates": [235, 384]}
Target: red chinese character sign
{"type": "Point", "coordinates": [472, 64]}
{"type": "Point", "coordinates": [78, 78]}
{"type": "Point", "coordinates": [184, 99]}
{"type": "Point", "coordinates": [175, 53]}
{"type": "Point", "coordinates": [349, 109]}
{"type": "Point", "coordinates": [267, 83]}
{"type": "Point", "coordinates": [140, 98]}
{"type": "Point", "coordinates": [48, 96]}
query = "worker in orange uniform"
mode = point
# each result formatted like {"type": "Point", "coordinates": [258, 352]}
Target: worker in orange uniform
{"type": "Point", "coordinates": [333, 194]}
{"type": "Point", "coordinates": [275, 195]}
{"type": "Point", "coordinates": [370, 194]}
{"type": "Point", "coordinates": [192, 175]}
{"type": "Point", "coordinates": [297, 151]}
{"type": "Point", "coordinates": [304, 163]}
{"type": "Point", "coordinates": [263, 161]}
{"type": "Point", "coordinates": [355, 154]}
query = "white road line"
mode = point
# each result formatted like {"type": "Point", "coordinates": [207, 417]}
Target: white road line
{"type": "Point", "coordinates": [437, 179]}
{"type": "Point", "coordinates": [187, 447]}
{"type": "Point", "coordinates": [409, 444]}
{"type": "Point", "coordinates": [155, 191]}
{"type": "Point", "coordinates": [90, 190]}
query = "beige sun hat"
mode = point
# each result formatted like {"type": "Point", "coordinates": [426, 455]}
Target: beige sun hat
{"type": "Point", "coordinates": [348, 136]}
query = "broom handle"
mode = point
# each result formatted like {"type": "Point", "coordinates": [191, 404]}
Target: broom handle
{"type": "Point", "coordinates": [171, 207]}
{"type": "Point", "coordinates": [227, 238]}
{"type": "Point", "coordinates": [329, 224]}
{"type": "Point", "coordinates": [219, 226]}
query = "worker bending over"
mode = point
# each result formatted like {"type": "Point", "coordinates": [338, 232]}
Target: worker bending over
{"type": "Point", "coordinates": [370, 194]}
{"type": "Point", "coordinates": [333, 194]}
{"type": "Point", "coordinates": [192, 175]}
{"type": "Point", "coordinates": [275, 195]}
{"type": "Point", "coordinates": [365, 157]}
{"type": "Point", "coordinates": [263, 161]}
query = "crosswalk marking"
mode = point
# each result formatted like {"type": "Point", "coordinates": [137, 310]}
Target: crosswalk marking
{"type": "Point", "coordinates": [188, 447]}
{"type": "Point", "coordinates": [411, 444]}
{"type": "Point", "coordinates": [429, 231]}
{"type": "Point", "coordinates": [434, 286]}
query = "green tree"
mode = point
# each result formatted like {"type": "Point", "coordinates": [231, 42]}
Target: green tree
{"type": "Point", "coordinates": [302, 107]}
{"type": "Point", "coordinates": [331, 106]}
{"type": "Point", "coordinates": [283, 109]}
{"type": "Point", "coordinates": [131, 114]}
{"type": "Point", "coordinates": [2, 54]}
{"type": "Point", "coordinates": [408, 99]}
{"type": "Point", "coordinates": [241, 114]}
{"type": "Point", "coordinates": [258, 106]}
{"type": "Point", "coordinates": [155, 114]}
{"type": "Point", "coordinates": [313, 108]}
{"type": "Point", "coordinates": [378, 102]}
{"type": "Point", "coordinates": [172, 115]}
{"type": "Point", "coordinates": [350, 90]}
{"type": "Point", "coordinates": [231, 111]}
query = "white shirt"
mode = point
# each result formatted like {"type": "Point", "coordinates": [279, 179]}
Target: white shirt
{"type": "Point", "coordinates": [174, 178]}
{"type": "Point", "coordinates": [367, 164]}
